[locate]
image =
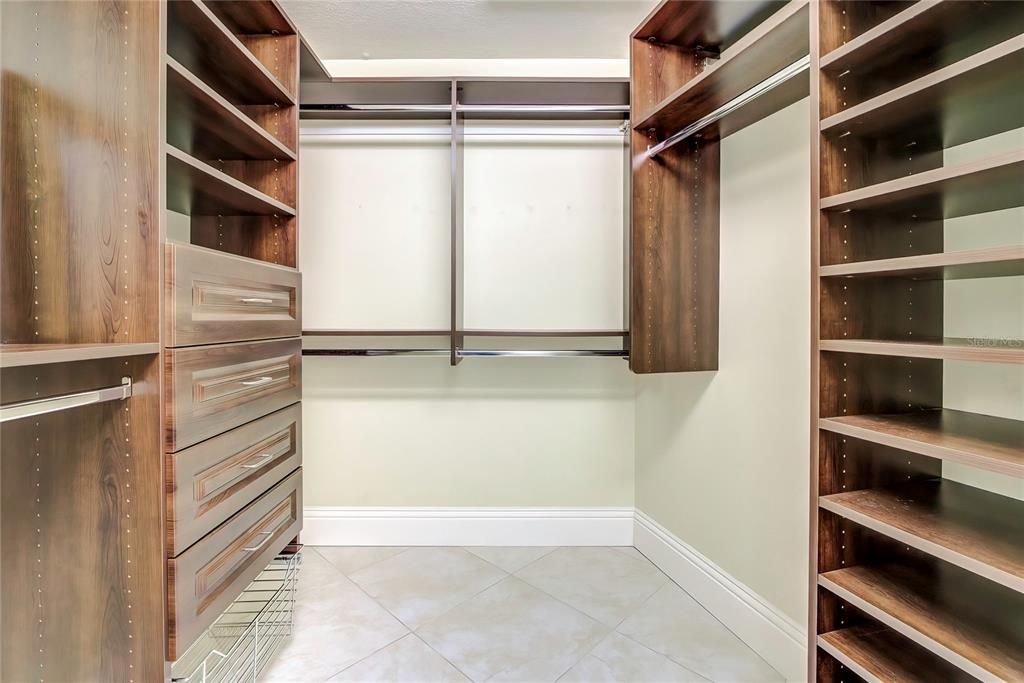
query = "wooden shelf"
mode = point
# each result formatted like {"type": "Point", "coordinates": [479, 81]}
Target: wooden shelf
{"type": "Point", "coordinates": [880, 655]}
{"type": "Point", "coordinates": [958, 265]}
{"type": "Point", "coordinates": [980, 350]}
{"type": "Point", "coordinates": [971, 623]}
{"type": "Point", "coordinates": [198, 189]}
{"type": "Point", "coordinates": [990, 443]}
{"type": "Point", "coordinates": [253, 16]}
{"type": "Point", "coordinates": [1001, 65]}
{"type": "Point", "coordinates": [219, 52]}
{"type": "Point", "coordinates": [771, 46]}
{"type": "Point", "coordinates": [18, 355]}
{"type": "Point", "coordinates": [215, 128]}
{"type": "Point", "coordinates": [706, 24]}
{"type": "Point", "coordinates": [979, 531]}
{"type": "Point", "coordinates": [979, 186]}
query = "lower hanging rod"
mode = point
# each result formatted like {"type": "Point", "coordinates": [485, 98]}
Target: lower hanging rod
{"type": "Point", "coordinates": [42, 406]}
{"type": "Point", "coordinates": [471, 353]}
{"type": "Point", "coordinates": [776, 79]}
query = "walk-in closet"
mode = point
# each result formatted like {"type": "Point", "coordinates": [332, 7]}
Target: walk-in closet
{"type": "Point", "coordinates": [511, 340]}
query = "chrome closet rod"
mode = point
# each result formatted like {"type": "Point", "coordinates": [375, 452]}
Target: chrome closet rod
{"type": "Point", "coordinates": [472, 108]}
{"type": "Point", "coordinates": [376, 107]}
{"type": "Point", "coordinates": [471, 353]}
{"type": "Point", "coordinates": [732, 105]}
{"type": "Point", "coordinates": [42, 406]}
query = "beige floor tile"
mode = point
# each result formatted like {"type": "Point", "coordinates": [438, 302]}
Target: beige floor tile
{"type": "Point", "coordinates": [674, 624]}
{"type": "Point", "coordinates": [423, 583]}
{"type": "Point", "coordinates": [601, 582]}
{"type": "Point", "coordinates": [511, 559]}
{"type": "Point", "coordinates": [632, 552]}
{"type": "Point", "coordinates": [408, 660]}
{"type": "Point", "coordinates": [513, 632]}
{"type": "Point", "coordinates": [618, 659]}
{"type": "Point", "coordinates": [350, 559]}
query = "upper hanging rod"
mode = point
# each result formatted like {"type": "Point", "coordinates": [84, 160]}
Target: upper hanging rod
{"type": "Point", "coordinates": [471, 108]}
{"type": "Point", "coordinates": [470, 353]}
{"type": "Point", "coordinates": [17, 411]}
{"type": "Point", "coordinates": [732, 105]}
{"type": "Point", "coordinates": [383, 108]}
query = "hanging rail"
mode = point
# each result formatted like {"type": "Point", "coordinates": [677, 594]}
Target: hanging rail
{"type": "Point", "coordinates": [471, 353]}
{"type": "Point", "coordinates": [732, 105]}
{"type": "Point", "coordinates": [17, 411]}
{"type": "Point", "coordinates": [469, 108]}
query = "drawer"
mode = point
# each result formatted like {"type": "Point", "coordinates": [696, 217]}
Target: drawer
{"type": "Point", "coordinates": [214, 297]}
{"type": "Point", "coordinates": [213, 480]}
{"type": "Point", "coordinates": [211, 389]}
{"type": "Point", "coordinates": [206, 578]}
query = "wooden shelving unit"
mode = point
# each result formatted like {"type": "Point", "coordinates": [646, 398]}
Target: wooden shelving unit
{"type": "Point", "coordinates": [913, 576]}
{"type": "Point", "coordinates": [195, 188]}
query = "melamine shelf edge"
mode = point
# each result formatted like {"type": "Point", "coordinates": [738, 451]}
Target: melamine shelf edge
{"type": "Point", "coordinates": [20, 355]}
{"type": "Point", "coordinates": [1004, 261]}
{"type": "Point", "coordinates": [946, 350]}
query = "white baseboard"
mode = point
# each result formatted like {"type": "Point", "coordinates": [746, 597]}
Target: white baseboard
{"type": "Point", "coordinates": [490, 526]}
{"type": "Point", "coordinates": [775, 636]}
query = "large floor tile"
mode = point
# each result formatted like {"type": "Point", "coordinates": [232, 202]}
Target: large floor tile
{"type": "Point", "coordinates": [408, 660]}
{"type": "Point", "coordinates": [513, 632]}
{"type": "Point", "coordinates": [509, 558]}
{"type": "Point", "coordinates": [675, 624]}
{"type": "Point", "coordinates": [617, 659]}
{"type": "Point", "coordinates": [422, 583]}
{"type": "Point", "coordinates": [350, 559]}
{"type": "Point", "coordinates": [601, 582]}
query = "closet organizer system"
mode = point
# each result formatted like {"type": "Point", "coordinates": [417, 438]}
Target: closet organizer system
{"type": "Point", "coordinates": [150, 386]}
{"type": "Point", "coordinates": [457, 100]}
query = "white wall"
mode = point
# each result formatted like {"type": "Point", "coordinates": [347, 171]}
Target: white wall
{"type": "Point", "coordinates": [723, 457]}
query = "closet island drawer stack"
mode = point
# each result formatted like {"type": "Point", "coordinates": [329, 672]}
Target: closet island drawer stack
{"type": "Point", "coordinates": [232, 299]}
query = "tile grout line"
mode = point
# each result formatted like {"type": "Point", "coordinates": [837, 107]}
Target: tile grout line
{"type": "Point", "coordinates": [439, 654]}
{"type": "Point", "coordinates": [400, 552]}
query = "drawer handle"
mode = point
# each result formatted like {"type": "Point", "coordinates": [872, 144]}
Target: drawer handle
{"type": "Point", "coordinates": [254, 300]}
{"type": "Point", "coordinates": [267, 534]}
{"type": "Point", "coordinates": [256, 382]}
{"type": "Point", "coordinates": [257, 461]}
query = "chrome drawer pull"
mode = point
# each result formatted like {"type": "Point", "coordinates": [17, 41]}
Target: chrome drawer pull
{"type": "Point", "coordinates": [255, 300]}
{"type": "Point", "coordinates": [256, 382]}
{"type": "Point", "coordinates": [268, 534]}
{"type": "Point", "coordinates": [261, 458]}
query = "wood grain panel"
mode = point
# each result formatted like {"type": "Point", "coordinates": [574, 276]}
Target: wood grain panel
{"type": "Point", "coordinates": [213, 480]}
{"type": "Point", "coordinates": [880, 655]}
{"type": "Point", "coordinates": [80, 159]}
{"type": "Point", "coordinates": [211, 389]}
{"type": "Point", "coordinates": [266, 238]}
{"type": "Point", "coordinates": [205, 579]}
{"type": "Point", "coordinates": [212, 297]}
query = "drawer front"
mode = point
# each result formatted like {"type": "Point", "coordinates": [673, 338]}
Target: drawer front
{"type": "Point", "coordinates": [214, 297]}
{"type": "Point", "coordinates": [213, 480]}
{"type": "Point", "coordinates": [211, 389]}
{"type": "Point", "coordinates": [206, 578]}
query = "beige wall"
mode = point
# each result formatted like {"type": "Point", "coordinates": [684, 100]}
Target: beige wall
{"type": "Point", "coordinates": [722, 457]}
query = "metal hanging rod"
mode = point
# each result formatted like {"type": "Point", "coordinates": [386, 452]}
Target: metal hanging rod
{"type": "Point", "coordinates": [17, 411]}
{"type": "Point", "coordinates": [469, 131]}
{"type": "Point", "coordinates": [376, 108]}
{"type": "Point", "coordinates": [732, 105]}
{"type": "Point", "coordinates": [471, 108]}
{"type": "Point", "coordinates": [470, 353]}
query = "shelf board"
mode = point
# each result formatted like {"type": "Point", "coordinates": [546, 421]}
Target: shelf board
{"type": "Point", "coordinates": [958, 265]}
{"type": "Point", "coordinates": [707, 24]}
{"type": "Point", "coordinates": [216, 128]}
{"type": "Point", "coordinates": [969, 527]}
{"type": "Point", "coordinates": [196, 188]}
{"type": "Point", "coordinates": [979, 186]}
{"type": "Point", "coordinates": [222, 53]}
{"type": "Point", "coordinates": [253, 16]}
{"type": "Point", "coordinates": [990, 443]}
{"type": "Point", "coordinates": [771, 46]}
{"type": "Point", "coordinates": [19, 355]}
{"type": "Point", "coordinates": [945, 92]}
{"type": "Point", "coordinates": [880, 655]}
{"type": "Point", "coordinates": [980, 350]}
{"type": "Point", "coordinates": [971, 623]}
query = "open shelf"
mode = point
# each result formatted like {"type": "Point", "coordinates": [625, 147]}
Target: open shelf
{"type": "Point", "coordinates": [771, 46]}
{"type": "Point", "coordinates": [213, 127]}
{"type": "Point", "coordinates": [958, 265]}
{"type": "Point", "coordinates": [979, 186]}
{"type": "Point", "coordinates": [971, 528]}
{"type": "Point", "coordinates": [991, 443]}
{"type": "Point", "coordinates": [18, 355]}
{"type": "Point", "coordinates": [980, 350]}
{"type": "Point", "coordinates": [215, 52]}
{"type": "Point", "coordinates": [253, 16]}
{"type": "Point", "coordinates": [880, 655]}
{"type": "Point", "coordinates": [970, 622]}
{"type": "Point", "coordinates": [197, 189]}
{"type": "Point", "coordinates": [986, 73]}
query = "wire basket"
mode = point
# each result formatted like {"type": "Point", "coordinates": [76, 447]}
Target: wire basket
{"type": "Point", "coordinates": [238, 646]}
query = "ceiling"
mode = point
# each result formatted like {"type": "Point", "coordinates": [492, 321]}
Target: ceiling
{"type": "Point", "coordinates": [468, 29]}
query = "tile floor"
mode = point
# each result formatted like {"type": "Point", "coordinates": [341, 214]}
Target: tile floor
{"type": "Point", "coordinates": [532, 615]}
